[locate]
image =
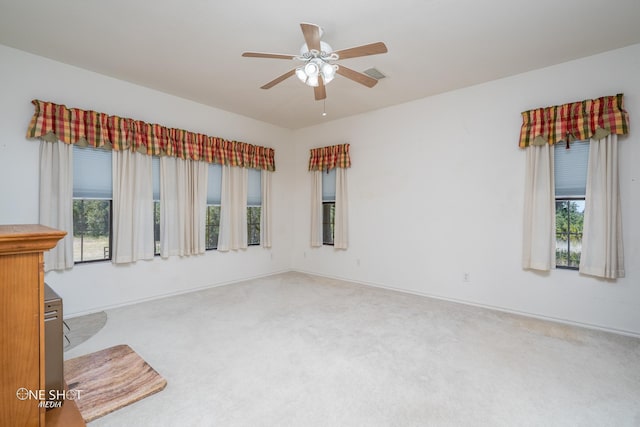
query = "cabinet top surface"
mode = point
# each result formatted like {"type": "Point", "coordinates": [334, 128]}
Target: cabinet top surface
{"type": "Point", "coordinates": [15, 238]}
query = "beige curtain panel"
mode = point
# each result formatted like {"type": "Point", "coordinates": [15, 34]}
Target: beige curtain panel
{"type": "Point", "coordinates": [341, 229]}
{"type": "Point", "coordinates": [233, 209]}
{"type": "Point", "coordinates": [56, 200]}
{"type": "Point", "coordinates": [183, 197]}
{"type": "Point", "coordinates": [316, 208]}
{"type": "Point", "coordinates": [602, 250]}
{"type": "Point", "coordinates": [132, 207]}
{"type": "Point", "coordinates": [538, 251]}
{"type": "Point", "coordinates": [265, 211]}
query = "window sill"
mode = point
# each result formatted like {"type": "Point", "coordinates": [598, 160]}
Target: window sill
{"type": "Point", "coordinates": [91, 261]}
{"type": "Point", "coordinates": [566, 267]}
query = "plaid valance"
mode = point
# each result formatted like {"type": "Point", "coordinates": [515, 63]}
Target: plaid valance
{"type": "Point", "coordinates": [327, 158]}
{"type": "Point", "coordinates": [54, 122]}
{"type": "Point", "coordinates": [593, 118]}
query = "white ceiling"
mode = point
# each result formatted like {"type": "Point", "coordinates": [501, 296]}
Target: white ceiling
{"type": "Point", "coordinates": [192, 48]}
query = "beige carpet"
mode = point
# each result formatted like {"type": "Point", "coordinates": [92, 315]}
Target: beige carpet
{"type": "Point", "coordinates": [295, 350]}
{"type": "Point", "coordinates": [110, 379]}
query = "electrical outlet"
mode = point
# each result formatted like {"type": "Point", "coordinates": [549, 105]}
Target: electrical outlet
{"type": "Point", "coordinates": [466, 278]}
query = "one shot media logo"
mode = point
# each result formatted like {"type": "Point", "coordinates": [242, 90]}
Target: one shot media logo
{"type": "Point", "coordinates": [50, 398]}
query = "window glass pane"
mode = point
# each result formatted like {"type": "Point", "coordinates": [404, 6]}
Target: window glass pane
{"type": "Point", "coordinates": [329, 186]}
{"type": "Point", "coordinates": [155, 164]}
{"type": "Point", "coordinates": [328, 222]}
{"type": "Point", "coordinates": [253, 225]}
{"type": "Point", "coordinates": [214, 185]}
{"type": "Point", "coordinates": [254, 191]}
{"type": "Point", "coordinates": [91, 173]}
{"type": "Point", "coordinates": [570, 169]}
{"type": "Point", "coordinates": [212, 226]}
{"type": "Point", "coordinates": [91, 230]}
{"type": "Point", "coordinates": [156, 226]}
{"type": "Point", "coordinates": [569, 222]}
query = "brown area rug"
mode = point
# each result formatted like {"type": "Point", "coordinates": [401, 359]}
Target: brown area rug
{"type": "Point", "coordinates": [110, 379]}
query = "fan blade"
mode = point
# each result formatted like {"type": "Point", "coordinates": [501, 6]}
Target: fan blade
{"type": "Point", "coordinates": [277, 80]}
{"type": "Point", "coordinates": [320, 91]}
{"type": "Point", "coordinates": [356, 76]}
{"type": "Point", "coordinates": [267, 55]}
{"type": "Point", "coordinates": [311, 34]}
{"type": "Point", "coordinates": [368, 49]}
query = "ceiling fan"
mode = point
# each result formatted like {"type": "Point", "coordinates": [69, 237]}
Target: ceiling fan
{"type": "Point", "coordinates": [317, 57]}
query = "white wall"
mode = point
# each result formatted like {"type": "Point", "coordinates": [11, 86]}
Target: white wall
{"type": "Point", "coordinates": [90, 287]}
{"type": "Point", "coordinates": [436, 190]}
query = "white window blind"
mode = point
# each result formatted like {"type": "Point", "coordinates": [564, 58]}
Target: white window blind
{"type": "Point", "coordinates": [329, 186]}
{"type": "Point", "coordinates": [570, 169]}
{"type": "Point", "coordinates": [92, 173]}
{"type": "Point", "coordinates": [214, 184]}
{"type": "Point", "coordinates": [254, 189]}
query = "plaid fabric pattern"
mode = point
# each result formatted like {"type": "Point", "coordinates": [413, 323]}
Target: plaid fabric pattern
{"type": "Point", "coordinates": [70, 125]}
{"type": "Point", "coordinates": [327, 158]}
{"type": "Point", "coordinates": [574, 121]}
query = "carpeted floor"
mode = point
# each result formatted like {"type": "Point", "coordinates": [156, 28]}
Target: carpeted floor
{"type": "Point", "coordinates": [299, 350]}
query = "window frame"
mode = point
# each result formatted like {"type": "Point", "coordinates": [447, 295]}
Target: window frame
{"type": "Point", "coordinates": [82, 261]}
{"type": "Point", "coordinates": [156, 227]}
{"type": "Point", "coordinates": [329, 199]}
{"type": "Point", "coordinates": [157, 206]}
{"type": "Point", "coordinates": [99, 163]}
{"type": "Point", "coordinates": [568, 247]}
{"type": "Point", "coordinates": [568, 199]}
{"type": "Point", "coordinates": [207, 225]}
{"type": "Point", "coordinates": [256, 224]}
{"type": "Point", "coordinates": [330, 222]}
{"type": "Point", "coordinates": [254, 201]}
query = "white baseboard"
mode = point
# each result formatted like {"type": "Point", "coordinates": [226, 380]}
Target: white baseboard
{"type": "Point", "coordinates": [371, 284]}
{"type": "Point", "coordinates": [169, 294]}
{"type": "Point", "coordinates": [474, 304]}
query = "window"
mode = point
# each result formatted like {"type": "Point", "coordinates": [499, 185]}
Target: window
{"type": "Point", "coordinates": [92, 197]}
{"type": "Point", "coordinates": [156, 204]}
{"type": "Point", "coordinates": [254, 207]}
{"type": "Point", "coordinates": [212, 220]}
{"type": "Point", "coordinates": [570, 175]}
{"type": "Point", "coordinates": [328, 222]}
{"type": "Point", "coordinates": [212, 226]}
{"type": "Point", "coordinates": [253, 225]}
{"type": "Point", "coordinates": [328, 206]}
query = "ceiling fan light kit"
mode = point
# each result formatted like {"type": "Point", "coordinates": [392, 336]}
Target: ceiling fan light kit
{"type": "Point", "coordinates": [317, 56]}
{"type": "Point", "coordinates": [316, 68]}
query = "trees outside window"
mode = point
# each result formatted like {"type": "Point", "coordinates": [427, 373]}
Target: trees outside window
{"type": "Point", "coordinates": [91, 230]}
{"type": "Point", "coordinates": [569, 222]}
{"type": "Point", "coordinates": [212, 228]}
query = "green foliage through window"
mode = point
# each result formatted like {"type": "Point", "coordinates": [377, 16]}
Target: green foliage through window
{"type": "Point", "coordinates": [212, 226]}
{"type": "Point", "coordinates": [253, 225]}
{"type": "Point", "coordinates": [328, 222]}
{"type": "Point", "coordinates": [569, 223]}
{"type": "Point", "coordinates": [91, 229]}
{"type": "Point", "coordinates": [156, 227]}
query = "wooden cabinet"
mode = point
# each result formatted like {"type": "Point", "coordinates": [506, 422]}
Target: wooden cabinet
{"type": "Point", "coordinates": [22, 321]}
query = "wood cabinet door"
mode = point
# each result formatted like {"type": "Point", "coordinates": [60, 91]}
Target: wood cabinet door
{"type": "Point", "coordinates": [20, 338]}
